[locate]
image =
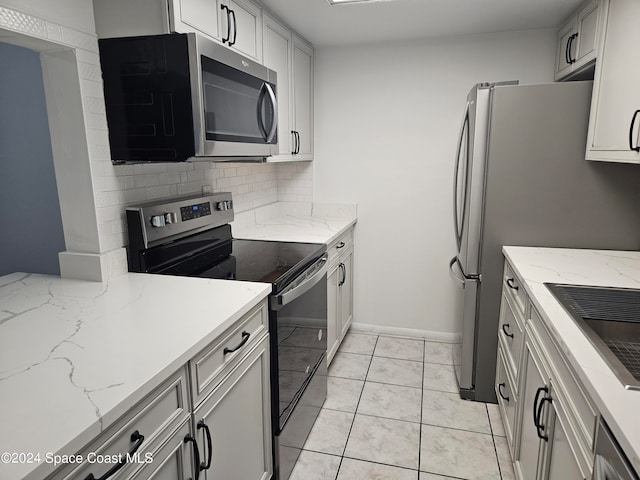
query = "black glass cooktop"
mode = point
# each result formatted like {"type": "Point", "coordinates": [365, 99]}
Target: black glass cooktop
{"type": "Point", "coordinates": [216, 255]}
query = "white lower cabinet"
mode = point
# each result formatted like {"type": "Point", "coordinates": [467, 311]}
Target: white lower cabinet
{"type": "Point", "coordinates": [224, 432]}
{"type": "Point", "coordinates": [549, 447]}
{"type": "Point", "coordinates": [534, 388]}
{"type": "Point", "coordinates": [233, 422]}
{"type": "Point", "coordinates": [339, 292]}
{"type": "Point", "coordinates": [549, 419]}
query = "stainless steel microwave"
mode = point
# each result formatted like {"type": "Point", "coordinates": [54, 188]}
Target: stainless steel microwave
{"type": "Point", "coordinates": [181, 97]}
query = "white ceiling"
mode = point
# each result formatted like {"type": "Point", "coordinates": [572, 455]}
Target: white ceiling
{"type": "Point", "coordinates": [396, 20]}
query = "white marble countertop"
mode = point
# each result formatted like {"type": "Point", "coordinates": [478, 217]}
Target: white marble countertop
{"type": "Point", "coordinates": [619, 407]}
{"type": "Point", "coordinates": [295, 222]}
{"type": "Point", "coordinates": [76, 355]}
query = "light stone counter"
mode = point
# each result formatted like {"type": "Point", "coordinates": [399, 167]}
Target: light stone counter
{"type": "Point", "coordinates": [295, 222]}
{"type": "Point", "coordinates": [75, 355]}
{"type": "Point", "coordinates": [619, 407]}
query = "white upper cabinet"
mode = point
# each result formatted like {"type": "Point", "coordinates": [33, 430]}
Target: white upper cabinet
{"type": "Point", "coordinates": [303, 98]}
{"type": "Point", "coordinates": [614, 122]}
{"type": "Point", "coordinates": [277, 44]}
{"type": "Point", "coordinates": [196, 15]}
{"type": "Point", "coordinates": [241, 26]}
{"type": "Point", "coordinates": [234, 23]}
{"type": "Point", "coordinates": [292, 59]}
{"type": "Point", "coordinates": [577, 41]}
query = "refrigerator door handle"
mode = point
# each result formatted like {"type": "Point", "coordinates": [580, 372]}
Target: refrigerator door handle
{"type": "Point", "coordinates": [458, 226]}
{"type": "Point", "coordinates": [459, 279]}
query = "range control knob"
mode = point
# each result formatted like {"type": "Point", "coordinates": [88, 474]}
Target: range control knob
{"type": "Point", "coordinates": [158, 221]}
{"type": "Point", "coordinates": [224, 205]}
{"type": "Point", "coordinates": [171, 217]}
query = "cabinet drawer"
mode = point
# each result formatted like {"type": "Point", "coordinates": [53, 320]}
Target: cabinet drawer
{"type": "Point", "coordinates": [510, 331]}
{"type": "Point", "coordinates": [336, 248]}
{"type": "Point", "coordinates": [208, 366]}
{"type": "Point", "coordinates": [513, 285]}
{"type": "Point", "coordinates": [580, 411]}
{"type": "Point", "coordinates": [507, 400]}
{"type": "Point", "coordinates": [159, 413]}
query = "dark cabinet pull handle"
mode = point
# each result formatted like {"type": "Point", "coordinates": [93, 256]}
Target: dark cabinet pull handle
{"type": "Point", "coordinates": [202, 424]}
{"type": "Point", "coordinates": [536, 420]}
{"type": "Point", "coordinates": [504, 330]}
{"type": "Point", "coordinates": [512, 285]}
{"type": "Point", "coordinates": [540, 427]}
{"type": "Point", "coordinates": [573, 37]}
{"type": "Point", "coordinates": [297, 142]}
{"type": "Point", "coordinates": [235, 27]}
{"type": "Point", "coordinates": [224, 7]}
{"type": "Point", "coordinates": [245, 339]}
{"type": "Point", "coordinates": [343, 269]}
{"type": "Point", "coordinates": [136, 437]}
{"type": "Point", "coordinates": [566, 51]}
{"type": "Point", "coordinates": [633, 147]}
{"type": "Point", "coordinates": [196, 453]}
{"type": "Point", "coordinates": [340, 245]}
{"type": "Point", "coordinates": [293, 148]}
{"type": "Point", "coordinates": [500, 387]}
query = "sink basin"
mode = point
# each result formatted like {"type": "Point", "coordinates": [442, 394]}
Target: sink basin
{"type": "Point", "coordinates": [610, 317]}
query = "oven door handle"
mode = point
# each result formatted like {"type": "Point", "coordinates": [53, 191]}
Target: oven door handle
{"type": "Point", "coordinates": [319, 270]}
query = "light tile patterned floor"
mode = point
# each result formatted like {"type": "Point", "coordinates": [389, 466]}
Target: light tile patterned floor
{"type": "Point", "coordinates": [393, 413]}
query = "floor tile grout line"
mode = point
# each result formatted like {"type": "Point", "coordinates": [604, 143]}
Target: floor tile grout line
{"type": "Point", "coordinates": [394, 384]}
{"type": "Point", "coordinates": [356, 410]}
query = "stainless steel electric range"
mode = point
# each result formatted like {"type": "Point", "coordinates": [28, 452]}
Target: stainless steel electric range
{"type": "Point", "coordinates": [192, 237]}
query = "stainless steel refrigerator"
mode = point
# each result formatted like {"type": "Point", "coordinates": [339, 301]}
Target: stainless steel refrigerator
{"type": "Point", "coordinates": [522, 179]}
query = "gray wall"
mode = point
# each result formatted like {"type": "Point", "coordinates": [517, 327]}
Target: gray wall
{"type": "Point", "coordinates": [30, 223]}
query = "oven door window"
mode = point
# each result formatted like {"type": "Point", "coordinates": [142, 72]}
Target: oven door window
{"type": "Point", "coordinates": [238, 107]}
{"type": "Point", "coordinates": [302, 346]}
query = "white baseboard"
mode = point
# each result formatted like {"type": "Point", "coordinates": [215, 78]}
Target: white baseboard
{"type": "Point", "coordinates": [445, 337]}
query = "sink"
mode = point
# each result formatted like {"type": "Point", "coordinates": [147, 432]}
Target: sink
{"type": "Point", "coordinates": [610, 318]}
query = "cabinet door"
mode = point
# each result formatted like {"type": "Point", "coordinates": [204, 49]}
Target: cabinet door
{"type": "Point", "coordinates": [332, 312]}
{"type": "Point", "coordinates": [277, 56]}
{"type": "Point", "coordinates": [238, 417]}
{"type": "Point", "coordinates": [196, 15]}
{"type": "Point", "coordinates": [562, 463]}
{"type": "Point", "coordinates": [616, 89]}
{"type": "Point", "coordinates": [587, 33]}
{"type": "Point", "coordinates": [563, 62]}
{"type": "Point", "coordinates": [346, 294]}
{"type": "Point", "coordinates": [244, 33]}
{"type": "Point", "coordinates": [529, 446]}
{"type": "Point", "coordinates": [303, 97]}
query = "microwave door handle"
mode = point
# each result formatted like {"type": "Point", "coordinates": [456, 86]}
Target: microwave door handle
{"type": "Point", "coordinates": [274, 119]}
{"type": "Point", "coordinates": [261, 96]}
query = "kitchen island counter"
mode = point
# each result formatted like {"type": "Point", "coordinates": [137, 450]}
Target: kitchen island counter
{"type": "Point", "coordinates": [76, 355]}
{"type": "Point", "coordinates": [536, 266]}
